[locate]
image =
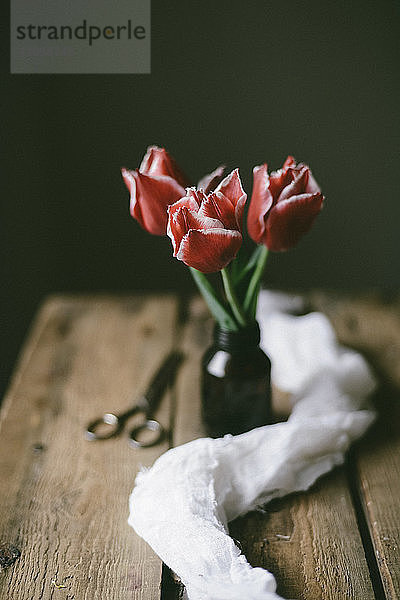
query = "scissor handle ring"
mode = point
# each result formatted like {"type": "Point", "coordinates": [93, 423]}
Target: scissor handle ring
{"type": "Point", "coordinates": [151, 425]}
{"type": "Point", "coordinates": [114, 425]}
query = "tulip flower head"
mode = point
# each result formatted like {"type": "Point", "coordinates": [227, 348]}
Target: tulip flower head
{"type": "Point", "coordinates": [283, 205]}
{"type": "Point", "coordinates": [156, 184]}
{"type": "Point", "coordinates": [206, 229]}
{"type": "Point", "coordinates": [205, 224]}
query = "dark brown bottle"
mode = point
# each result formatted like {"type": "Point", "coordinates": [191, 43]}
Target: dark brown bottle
{"type": "Point", "coordinates": [236, 383]}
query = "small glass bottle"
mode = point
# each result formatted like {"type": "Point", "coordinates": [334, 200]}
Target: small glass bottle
{"type": "Point", "coordinates": [236, 383]}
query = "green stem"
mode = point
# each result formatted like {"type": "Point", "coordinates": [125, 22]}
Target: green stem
{"type": "Point", "coordinates": [232, 299]}
{"type": "Point", "coordinates": [214, 303]}
{"type": "Point", "coordinates": [250, 302]}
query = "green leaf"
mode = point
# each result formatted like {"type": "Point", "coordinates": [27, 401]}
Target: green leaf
{"type": "Point", "coordinates": [238, 265]}
{"type": "Point", "coordinates": [244, 263]}
{"type": "Point", "coordinates": [214, 303]}
{"type": "Point", "coordinates": [232, 298]}
{"type": "Point", "coordinates": [250, 301]}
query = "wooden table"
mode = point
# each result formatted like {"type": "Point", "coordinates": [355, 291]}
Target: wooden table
{"type": "Point", "coordinates": [64, 499]}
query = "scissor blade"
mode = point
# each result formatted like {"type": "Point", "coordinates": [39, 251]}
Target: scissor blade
{"type": "Point", "coordinates": [163, 377]}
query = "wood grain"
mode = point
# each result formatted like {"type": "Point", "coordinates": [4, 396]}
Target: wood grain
{"type": "Point", "coordinates": [372, 325]}
{"type": "Point", "coordinates": [195, 337]}
{"type": "Point", "coordinates": [64, 499]}
{"type": "Point", "coordinates": [310, 541]}
{"type": "Point", "coordinates": [369, 323]}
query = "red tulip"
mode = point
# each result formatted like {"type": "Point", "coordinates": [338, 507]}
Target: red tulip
{"type": "Point", "coordinates": [153, 187]}
{"type": "Point", "coordinates": [283, 205]}
{"type": "Point", "coordinates": [205, 229]}
{"type": "Point", "coordinates": [209, 182]}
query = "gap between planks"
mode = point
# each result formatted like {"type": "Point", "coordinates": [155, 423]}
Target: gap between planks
{"type": "Point", "coordinates": [308, 541]}
{"type": "Point", "coordinates": [39, 403]}
{"type": "Point", "coordinates": [370, 323]}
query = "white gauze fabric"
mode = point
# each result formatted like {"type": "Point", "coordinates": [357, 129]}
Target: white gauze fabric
{"type": "Point", "coordinates": [182, 505]}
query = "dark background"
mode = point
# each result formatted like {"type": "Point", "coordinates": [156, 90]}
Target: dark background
{"type": "Point", "coordinates": [233, 82]}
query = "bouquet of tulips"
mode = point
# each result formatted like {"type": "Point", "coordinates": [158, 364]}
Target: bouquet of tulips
{"type": "Point", "coordinates": [205, 224]}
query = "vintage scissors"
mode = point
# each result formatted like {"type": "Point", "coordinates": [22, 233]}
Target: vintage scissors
{"type": "Point", "coordinates": [110, 425]}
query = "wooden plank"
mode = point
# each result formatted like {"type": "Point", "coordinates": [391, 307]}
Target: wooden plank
{"type": "Point", "coordinates": [372, 325]}
{"type": "Point", "coordinates": [195, 338]}
{"type": "Point", "coordinates": [310, 541]}
{"type": "Point", "coordinates": [369, 323]}
{"type": "Point", "coordinates": [65, 500]}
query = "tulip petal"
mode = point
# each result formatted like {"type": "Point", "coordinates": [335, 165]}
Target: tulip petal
{"type": "Point", "coordinates": [127, 176]}
{"type": "Point", "coordinates": [260, 203]}
{"type": "Point", "coordinates": [289, 162]}
{"type": "Point", "coordinates": [312, 186]}
{"type": "Point", "coordinates": [231, 187]}
{"type": "Point", "coordinates": [157, 161]}
{"type": "Point", "coordinates": [278, 180]}
{"type": "Point", "coordinates": [290, 219]}
{"type": "Point", "coordinates": [183, 220]}
{"type": "Point", "coordinates": [189, 201]}
{"type": "Point", "coordinates": [297, 186]}
{"type": "Point", "coordinates": [209, 182]}
{"type": "Point", "coordinates": [217, 206]}
{"type": "Point", "coordinates": [198, 195]}
{"type": "Point", "coordinates": [174, 233]}
{"type": "Point", "coordinates": [192, 202]}
{"type": "Point", "coordinates": [193, 220]}
{"type": "Point", "coordinates": [239, 211]}
{"type": "Point", "coordinates": [150, 197]}
{"type": "Point", "coordinates": [209, 250]}
{"type": "Point", "coordinates": [149, 158]}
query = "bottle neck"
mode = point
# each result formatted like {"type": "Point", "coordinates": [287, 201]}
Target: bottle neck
{"type": "Point", "coordinates": [237, 341]}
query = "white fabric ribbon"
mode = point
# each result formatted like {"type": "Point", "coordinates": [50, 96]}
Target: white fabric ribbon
{"type": "Point", "coordinates": [182, 505]}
